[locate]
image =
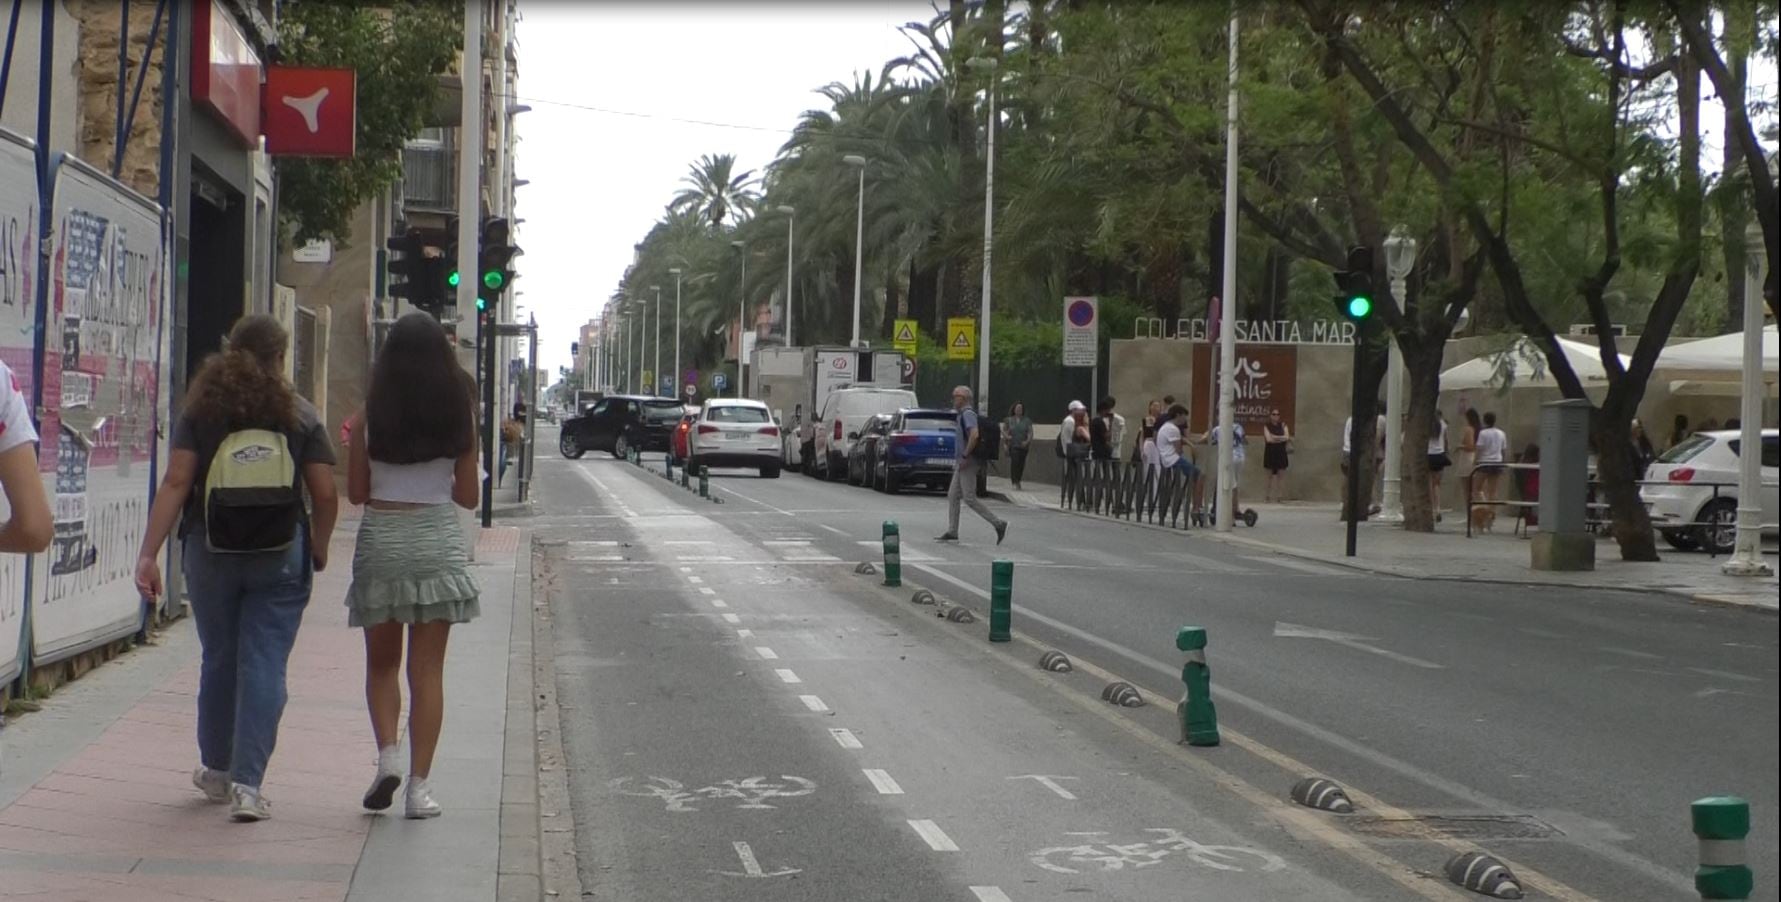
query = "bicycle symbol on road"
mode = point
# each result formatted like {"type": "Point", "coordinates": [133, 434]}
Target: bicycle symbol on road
{"type": "Point", "coordinates": [1167, 841]}
{"type": "Point", "coordinates": [750, 793]}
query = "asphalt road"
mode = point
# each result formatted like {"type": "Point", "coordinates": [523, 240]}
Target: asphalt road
{"type": "Point", "coordinates": [1565, 732]}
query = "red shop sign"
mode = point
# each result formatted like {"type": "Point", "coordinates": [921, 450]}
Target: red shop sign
{"type": "Point", "coordinates": [310, 112]}
{"type": "Point", "coordinates": [226, 71]}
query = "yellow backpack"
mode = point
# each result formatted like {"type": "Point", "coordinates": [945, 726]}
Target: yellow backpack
{"type": "Point", "coordinates": [251, 500]}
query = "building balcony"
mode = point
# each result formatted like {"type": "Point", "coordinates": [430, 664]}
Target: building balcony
{"type": "Point", "coordinates": [429, 178]}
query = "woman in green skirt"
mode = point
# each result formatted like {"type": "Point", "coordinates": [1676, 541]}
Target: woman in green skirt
{"type": "Point", "coordinates": [412, 463]}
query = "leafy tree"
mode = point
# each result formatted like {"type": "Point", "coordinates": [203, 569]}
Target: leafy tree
{"type": "Point", "coordinates": [397, 50]}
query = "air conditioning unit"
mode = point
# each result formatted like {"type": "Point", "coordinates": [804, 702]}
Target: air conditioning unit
{"type": "Point", "coordinates": [1585, 329]}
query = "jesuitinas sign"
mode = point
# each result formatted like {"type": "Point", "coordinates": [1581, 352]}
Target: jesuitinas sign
{"type": "Point", "coordinates": [1267, 379]}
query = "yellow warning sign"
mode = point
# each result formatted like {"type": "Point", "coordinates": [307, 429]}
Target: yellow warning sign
{"type": "Point", "coordinates": [961, 338]}
{"type": "Point", "coordinates": [903, 339]}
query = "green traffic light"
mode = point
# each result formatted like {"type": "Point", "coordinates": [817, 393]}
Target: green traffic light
{"type": "Point", "coordinates": [1360, 307]}
{"type": "Point", "coordinates": [482, 304]}
{"type": "Point", "coordinates": [493, 280]}
{"type": "Point", "coordinates": [452, 279]}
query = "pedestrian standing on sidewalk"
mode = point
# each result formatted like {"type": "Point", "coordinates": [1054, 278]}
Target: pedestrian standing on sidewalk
{"type": "Point", "coordinates": [1019, 430]}
{"type": "Point", "coordinates": [244, 449]}
{"type": "Point", "coordinates": [29, 526]}
{"type": "Point", "coordinates": [1465, 457]}
{"type": "Point", "coordinates": [1276, 454]}
{"type": "Point", "coordinates": [964, 474]}
{"type": "Point", "coordinates": [1438, 461]}
{"type": "Point", "coordinates": [413, 457]}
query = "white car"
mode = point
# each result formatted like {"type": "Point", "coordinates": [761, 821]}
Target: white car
{"type": "Point", "coordinates": [1697, 504]}
{"type": "Point", "coordinates": [843, 415]}
{"type": "Point", "coordinates": [736, 432]}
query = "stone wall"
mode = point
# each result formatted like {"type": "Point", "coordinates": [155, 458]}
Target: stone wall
{"type": "Point", "coordinates": [342, 288]}
{"type": "Point", "coordinates": [96, 69]}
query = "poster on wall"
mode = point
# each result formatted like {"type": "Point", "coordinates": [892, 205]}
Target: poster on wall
{"type": "Point", "coordinates": [1267, 380]}
{"type": "Point", "coordinates": [18, 331]}
{"type": "Point", "coordinates": [103, 407]}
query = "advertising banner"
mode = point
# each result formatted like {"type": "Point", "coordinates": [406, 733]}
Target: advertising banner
{"type": "Point", "coordinates": [104, 409]}
{"type": "Point", "coordinates": [18, 332]}
{"type": "Point", "coordinates": [1267, 379]}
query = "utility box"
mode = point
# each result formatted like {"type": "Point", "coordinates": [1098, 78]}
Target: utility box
{"type": "Point", "coordinates": [1564, 541]}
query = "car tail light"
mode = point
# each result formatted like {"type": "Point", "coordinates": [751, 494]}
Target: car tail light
{"type": "Point", "coordinates": [1682, 474]}
{"type": "Point", "coordinates": [706, 429]}
{"type": "Point", "coordinates": [769, 430]}
{"type": "Point", "coordinates": [904, 438]}
{"type": "Point", "coordinates": [837, 429]}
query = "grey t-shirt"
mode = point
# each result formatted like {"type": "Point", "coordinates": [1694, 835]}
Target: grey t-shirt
{"type": "Point", "coordinates": [309, 445]}
{"type": "Point", "coordinates": [967, 421]}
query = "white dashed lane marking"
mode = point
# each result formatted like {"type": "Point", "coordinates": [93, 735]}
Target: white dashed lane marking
{"type": "Point", "coordinates": [719, 603]}
{"type": "Point", "coordinates": [881, 781]}
{"type": "Point", "coordinates": [787, 676]}
{"type": "Point", "coordinates": [845, 738]}
{"type": "Point", "coordinates": [745, 634]}
{"type": "Point", "coordinates": [707, 590]}
{"type": "Point", "coordinates": [935, 837]}
{"type": "Point", "coordinates": [814, 703]}
{"type": "Point", "coordinates": [767, 654]}
{"type": "Point", "coordinates": [732, 618]}
{"type": "Point", "coordinates": [990, 894]}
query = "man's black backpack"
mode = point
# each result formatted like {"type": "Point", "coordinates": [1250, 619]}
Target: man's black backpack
{"type": "Point", "coordinates": [989, 441]}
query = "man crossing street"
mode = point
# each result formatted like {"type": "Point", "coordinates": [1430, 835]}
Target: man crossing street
{"type": "Point", "coordinates": [964, 475]}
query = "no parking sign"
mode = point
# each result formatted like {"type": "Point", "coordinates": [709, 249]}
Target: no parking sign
{"type": "Point", "coordinates": [1082, 328]}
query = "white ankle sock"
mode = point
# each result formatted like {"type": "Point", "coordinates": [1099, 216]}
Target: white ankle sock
{"type": "Point", "coordinates": [389, 759]}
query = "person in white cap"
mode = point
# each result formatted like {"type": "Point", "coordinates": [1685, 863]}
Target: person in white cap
{"type": "Point", "coordinates": [1074, 430]}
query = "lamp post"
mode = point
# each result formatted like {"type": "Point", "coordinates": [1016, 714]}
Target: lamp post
{"type": "Point", "coordinates": [987, 63]}
{"type": "Point", "coordinates": [1400, 257]}
{"type": "Point", "coordinates": [1227, 332]}
{"type": "Point", "coordinates": [676, 272]}
{"type": "Point", "coordinates": [642, 346]}
{"type": "Point", "coordinates": [741, 317]}
{"type": "Point", "coordinates": [1746, 559]}
{"type": "Point", "coordinates": [657, 387]}
{"type": "Point", "coordinates": [790, 216]}
{"type": "Point", "coordinates": [859, 243]}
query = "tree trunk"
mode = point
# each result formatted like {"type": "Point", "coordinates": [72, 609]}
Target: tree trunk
{"type": "Point", "coordinates": [1422, 372]}
{"type": "Point", "coordinates": [923, 289]}
{"type": "Point", "coordinates": [887, 325]}
{"type": "Point", "coordinates": [1617, 475]}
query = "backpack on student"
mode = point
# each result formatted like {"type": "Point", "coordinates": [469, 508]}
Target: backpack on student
{"type": "Point", "coordinates": [989, 442]}
{"type": "Point", "coordinates": [251, 500]}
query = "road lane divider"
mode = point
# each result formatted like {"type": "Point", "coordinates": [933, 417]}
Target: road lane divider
{"type": "Point", "coordinates": [1721, 823]}
{"type": "Point", "coordinates": [935, 837]}
{"type": "Point", "coordinates": [893, 555]}
{"type": "Point", "coordinates": [1199, 719]}
{"type": "Point", "coordinates": [882, 781]}
{"type": "Point", "coordinates": [1001, 600]}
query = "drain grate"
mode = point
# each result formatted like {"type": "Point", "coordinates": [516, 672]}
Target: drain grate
{"type": "Point", "coordinates": [1479, 827]}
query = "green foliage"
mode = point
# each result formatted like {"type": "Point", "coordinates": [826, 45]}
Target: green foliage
{"type": "Point", "coordinates": [397, 50]}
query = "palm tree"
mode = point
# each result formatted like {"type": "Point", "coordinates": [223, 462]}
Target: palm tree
{"type": "Point", "coordinates": [716, 191]}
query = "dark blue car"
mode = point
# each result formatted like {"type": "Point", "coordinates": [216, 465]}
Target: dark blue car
{"type": "Point", "coordinates": [919, 449]}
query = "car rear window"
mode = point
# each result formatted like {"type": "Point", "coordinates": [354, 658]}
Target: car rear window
{"type": "Point", "coordinates": [928, 421]}
{"type": "Point", "coordinates": [866, 403]}
{"type": "Point", "coordinates": [736, 414]}
{"type": "Point", "coordinates": [1686, 451]}
{"type": "Point", "coordinates": [661, 413]}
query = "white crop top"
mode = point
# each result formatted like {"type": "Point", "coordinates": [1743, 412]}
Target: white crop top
{"type": "Point", "coordinates": [427, 482]}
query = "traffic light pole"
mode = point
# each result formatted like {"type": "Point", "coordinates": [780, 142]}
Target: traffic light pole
{"type": "Point", "coordinates": [1352, 505]}
{"type": "Point", "coordinates": [485, 354]}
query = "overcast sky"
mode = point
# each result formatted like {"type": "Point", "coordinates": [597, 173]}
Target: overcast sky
{"type": "Point", "coordinates": [600, 179]}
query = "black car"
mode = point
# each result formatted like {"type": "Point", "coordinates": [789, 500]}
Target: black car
{"type": "Point", "coordinates": [864, 451]}
{"type": "Point", "coordinates": [619, 423]}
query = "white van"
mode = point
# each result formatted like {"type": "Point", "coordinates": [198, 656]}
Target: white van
{"type": "Point", "coordinates": [844, 414]}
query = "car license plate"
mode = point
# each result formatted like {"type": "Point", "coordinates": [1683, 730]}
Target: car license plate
{"type": "Point", "coordinates": [939, 461]}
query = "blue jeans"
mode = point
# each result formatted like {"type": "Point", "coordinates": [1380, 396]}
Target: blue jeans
{"type": "Point", "coordinates": [247, 608]}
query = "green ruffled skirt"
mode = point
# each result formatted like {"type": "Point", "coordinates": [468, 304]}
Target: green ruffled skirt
{"type": "Point", "coordinates": [410, 566]}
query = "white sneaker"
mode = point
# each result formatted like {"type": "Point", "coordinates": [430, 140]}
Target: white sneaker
{"type": "Point", "coordinates": [213, 783]}
{"type": "Point", "coordinates": [383, 786]}
{"type": "Point", "coordinates": [247, 805]}
{"type": "Point", "coordinates": [420, 800]}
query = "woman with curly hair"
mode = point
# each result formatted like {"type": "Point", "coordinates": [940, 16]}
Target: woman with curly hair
{"type": "Point", "coordinates": [413, 456]}
{"type": "Point", "coordinates": [246, 603]}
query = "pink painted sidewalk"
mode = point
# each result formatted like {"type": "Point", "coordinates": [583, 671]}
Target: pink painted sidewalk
{"type": "Point", "coordinates": [120, 820]}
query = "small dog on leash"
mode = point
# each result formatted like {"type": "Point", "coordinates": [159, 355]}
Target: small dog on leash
{"type": "Point", "coordinates": [1483, 518]}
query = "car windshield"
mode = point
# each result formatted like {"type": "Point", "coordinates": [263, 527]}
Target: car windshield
{"type": "Point", "coordinates": [1686, 451]}
{"type": "Point", "coordinates": [928, 422]}
{"type": "Point", "coordinates": [736, 414]}
{"type": "Point", "coordinates": [661, 412]}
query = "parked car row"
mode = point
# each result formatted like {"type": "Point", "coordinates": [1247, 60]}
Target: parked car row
{"type": "Point", "coordinates": [1693, 490]}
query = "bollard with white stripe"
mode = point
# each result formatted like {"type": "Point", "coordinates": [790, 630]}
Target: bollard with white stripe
{"type": "Point", "coordinates": [1721, 823]}
{"type": "Point", "coordinates": [1483, 875]}
{"type": "Point", "coordinates": [893, 555]}
{"type": "Point", "coordinates": [1199, 720]}
{"type": "Point", "coordinates": [705, 482]}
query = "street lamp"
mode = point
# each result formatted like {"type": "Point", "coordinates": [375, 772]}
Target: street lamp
{"type": "Point", "coordinates": [986, 63]}
{"type": "Point", "coordinates": [657, 387]}
{"type": "Point", "coordinates": [1746, 559]}
{"type": "Point", "coordinates": [675, 270]}
{"type": "Point", "coordinates": [1400, 257]}
{"type": "Point", "coordinates": [790, 216]}
{"type": "Point", "coordinates": [859, 243]}
{"type": "Point", "coordinates": [741, 316]}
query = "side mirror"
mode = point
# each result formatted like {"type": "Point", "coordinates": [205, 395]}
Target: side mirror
{"type": "Point", "coordinates": [853, 436]}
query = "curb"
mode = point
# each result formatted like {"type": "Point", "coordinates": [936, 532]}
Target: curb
{"type": "Point", "coordinates": [1693, 596]}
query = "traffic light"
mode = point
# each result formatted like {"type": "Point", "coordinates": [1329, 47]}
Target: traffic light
{"type": "Point", "coordinates": [1354, 298]}
{"type": "Point", "coordinates": [407, 266]}
{"type": "Point", "coordinates": [494, 262]}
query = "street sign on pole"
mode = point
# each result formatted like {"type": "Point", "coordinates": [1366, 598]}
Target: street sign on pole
{"type": "Point", "coordinates": [961, 338]}
{"type": "Point", "coordinates": [1082, 331]}
{"type": "Point", "coordinates": [904, 337]}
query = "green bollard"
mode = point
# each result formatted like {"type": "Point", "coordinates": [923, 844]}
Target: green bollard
{"type": "Point", "coordinates": [685, 479]}
{"type": "Point", "coordinates": [1199, 720]}
{"type": "Point", "coordinates": [1001, 600]}
{"type": "Point", "coordinates": [704, 482]}
{"type": "Point", "coordinates": [1721, 823]}
{"type": "Point", "coordinates": [893, 555]}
